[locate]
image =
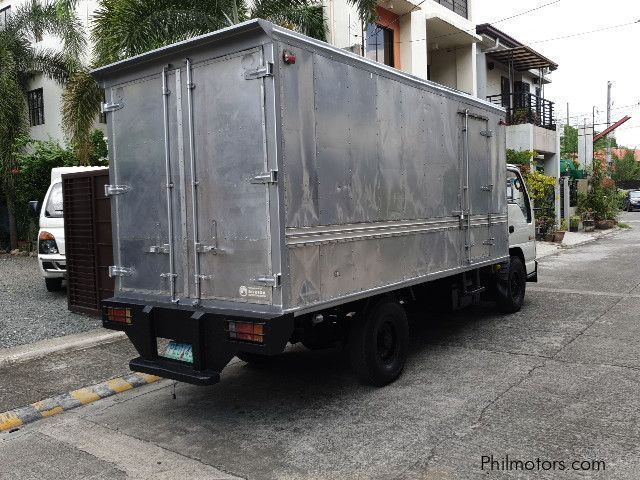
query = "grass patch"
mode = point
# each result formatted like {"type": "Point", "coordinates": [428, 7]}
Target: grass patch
{"type": "Point", "coordinates": [624, 225]}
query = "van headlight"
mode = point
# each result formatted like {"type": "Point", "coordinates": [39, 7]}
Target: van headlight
{"type": "Point", "coordinates": [47, 244]}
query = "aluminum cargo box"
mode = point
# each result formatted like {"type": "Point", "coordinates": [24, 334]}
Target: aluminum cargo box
{"type": "Point", "coordinates": [244, 182]}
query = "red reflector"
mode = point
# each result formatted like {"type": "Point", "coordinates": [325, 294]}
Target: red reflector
{"type": "Point", "coordinates": [120, 315]}
{"type": "Point", "coordinates": [246, 332]}
{"type": "Point", "coordinates": [289, 57]}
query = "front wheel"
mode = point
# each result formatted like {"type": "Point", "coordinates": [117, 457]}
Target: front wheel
{"type": "Point", "coordinates": [378, 343]}
{"type": "Point", "coordinates": [511, 286]}
{"type": "Point", "coordinates": [53, 284]}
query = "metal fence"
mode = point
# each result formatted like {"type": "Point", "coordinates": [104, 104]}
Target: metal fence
{"type": "Point", "coordinates": [526, 108]}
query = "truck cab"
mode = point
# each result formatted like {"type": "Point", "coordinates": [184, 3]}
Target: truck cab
{"type": "Point", "coordinates": [522, 231]}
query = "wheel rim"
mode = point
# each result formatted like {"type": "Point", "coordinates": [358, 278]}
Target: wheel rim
{"type": "Point", "coordinates": [515, 286]}
{"type": "Point", "coordinates": [387, 342]}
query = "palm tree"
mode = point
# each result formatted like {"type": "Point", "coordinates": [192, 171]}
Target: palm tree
{"type": "Point", "coordinates": [124, 28]}
{"type": "Point", "coordinates": [19, 61]}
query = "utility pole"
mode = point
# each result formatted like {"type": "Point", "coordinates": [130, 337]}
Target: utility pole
{"type": "Point", "coordinates": [567, 114]}
{"type": "Point", "coordinates": [608, 122]}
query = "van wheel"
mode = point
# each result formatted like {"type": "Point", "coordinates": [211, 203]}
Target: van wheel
{"type": "Point", "coordinates": [53, 284]}
{"type": "Point", "coordinates": [378, 343]}
{"type": "Point", "coordinates": [510, 288]}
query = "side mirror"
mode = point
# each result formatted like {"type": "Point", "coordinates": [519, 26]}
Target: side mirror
{"type": "Point", "coordinates": [34, 209]}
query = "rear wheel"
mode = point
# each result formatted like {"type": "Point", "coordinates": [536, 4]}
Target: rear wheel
{"type": "Point", "coordinates": [53, 284]}
{"type": "Point", "coordinates": [511, 287]}
{"type": "Point", "coordinates": [378, 343]}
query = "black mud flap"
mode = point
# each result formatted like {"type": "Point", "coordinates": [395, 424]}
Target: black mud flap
{"type": "Point", "coordinates": [533, 277]}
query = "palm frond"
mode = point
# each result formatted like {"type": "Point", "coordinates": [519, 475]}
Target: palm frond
{"type": "Point", "coordinates": [50, 63]}
{"type": "Point", "coordinates": [123, 28]}
{"type": "Point", "coordinates": [80, 107]}
{"type": "Point", "coordinates": [33, 19]}
{"type": "Point", "coordinates": [304, 16]}
{"type": "Point", "coordinates": [367, 10]}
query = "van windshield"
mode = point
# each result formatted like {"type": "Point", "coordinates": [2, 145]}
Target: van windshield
{"type": "Point", "coordinates": [635, 195]}
{"type": "Point", "coordinates": [53, 208]}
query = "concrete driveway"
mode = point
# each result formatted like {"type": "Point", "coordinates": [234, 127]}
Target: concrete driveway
{"type": "Point", "coordinates": [553, 388]}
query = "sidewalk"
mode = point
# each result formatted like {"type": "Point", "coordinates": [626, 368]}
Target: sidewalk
{"type": "Point", "coordinates": [572, 239]}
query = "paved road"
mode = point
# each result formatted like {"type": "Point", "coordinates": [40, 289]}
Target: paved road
{"type": "Point", "coordinates": [559, 381]}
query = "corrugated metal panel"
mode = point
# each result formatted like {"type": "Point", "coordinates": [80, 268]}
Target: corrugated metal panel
{"type": "Point", "coordinates": [89, 248]}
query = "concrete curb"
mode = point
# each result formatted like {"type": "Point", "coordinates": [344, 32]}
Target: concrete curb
{"type": "Point", "coordinates": [18, 417]}
{"type": "Point", "coordinates": [559, 248]}
{"type": "Point", "coordinates": [67, 343]}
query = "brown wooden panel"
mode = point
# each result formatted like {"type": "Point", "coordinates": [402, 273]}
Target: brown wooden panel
{"type": "Point", "coordinates": [89, 251]}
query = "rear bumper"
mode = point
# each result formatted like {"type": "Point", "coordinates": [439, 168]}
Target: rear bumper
{"type": "Point", "coordinates": [206, 331]}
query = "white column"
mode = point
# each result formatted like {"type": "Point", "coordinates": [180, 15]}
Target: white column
{"type": "Point", "coordinates": [413, 46]}
{"type": "Point", "coordinates": [466, 63]}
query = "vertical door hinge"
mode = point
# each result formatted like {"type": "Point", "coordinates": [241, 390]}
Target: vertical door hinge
{"type": "Point", "coordinates": [487, 133]}
{"type": "Point", "coordinates": [260, 71]}
{"type": "Point", "coordinates": [489, 241]}
{"type": "Point", "coordinates": [110, 190]}
{"type": "Point", "coordinates": [486, 188]}
{"type": "Point", "coordinates": [118, 271]}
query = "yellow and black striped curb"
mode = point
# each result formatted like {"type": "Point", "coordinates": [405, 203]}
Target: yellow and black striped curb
{"type": "Point", "coordinates": [52, 406]}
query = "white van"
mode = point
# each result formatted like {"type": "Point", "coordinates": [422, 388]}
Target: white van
{"type": "Point", "coordinates": [51, 258]}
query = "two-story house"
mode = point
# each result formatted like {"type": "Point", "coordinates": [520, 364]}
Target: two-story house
{"type": "Point", "coordinates": [44, 97]}
{"type": "Point", "coordinates": [514, 76]}
{"type": "Point", "coordinates": [431, 39]}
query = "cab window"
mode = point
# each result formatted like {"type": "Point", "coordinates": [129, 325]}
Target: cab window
{"type": "Point", "coordinates": [517, 194]}
{"type": "Point", "coordinates": [53, 208]}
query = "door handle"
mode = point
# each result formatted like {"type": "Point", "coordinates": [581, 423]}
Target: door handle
{"type": "Point", "coordinates": [511, 229]}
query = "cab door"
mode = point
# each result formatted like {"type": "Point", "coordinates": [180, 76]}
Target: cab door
{"type": "Point", "coordinates": [521, 222]}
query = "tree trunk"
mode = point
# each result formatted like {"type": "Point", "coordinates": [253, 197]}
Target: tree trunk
{"type": "Point", "coordinates": [13, 228]}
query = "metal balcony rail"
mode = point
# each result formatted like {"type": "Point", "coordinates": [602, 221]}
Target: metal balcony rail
{"type": "Point", "coordinates": [526, 108]}
{"type": "Point", "coordinates": [458, 6]}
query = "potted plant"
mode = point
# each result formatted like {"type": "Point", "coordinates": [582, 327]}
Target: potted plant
{"type": "Point", "coordinates": [558, 235]}
{"type": "Point", "coordinates": [574, 223]}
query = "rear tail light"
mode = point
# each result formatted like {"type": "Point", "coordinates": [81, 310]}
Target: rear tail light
{"type": "Point", "coordinates": [119, 315]}
{"type": "Point", "coordinates": [246, 331]}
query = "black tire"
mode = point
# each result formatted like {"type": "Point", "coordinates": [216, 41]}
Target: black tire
{"type": "Point", "coordinates": [53, 284]}
{"type": "Point", "coordinates": [511, 287]}
{"type": "Point", "coordinates": [378, 343]}
{"type": "Point", "coordinates": [255, 358]}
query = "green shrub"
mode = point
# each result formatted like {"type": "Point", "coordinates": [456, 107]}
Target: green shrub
{"type": "Point", "coordinates": [35, 160]}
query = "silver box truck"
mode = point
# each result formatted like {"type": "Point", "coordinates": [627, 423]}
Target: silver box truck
{"type": "Point", "coordinates": [269, 188]}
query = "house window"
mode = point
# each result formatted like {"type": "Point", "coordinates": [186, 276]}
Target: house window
{"type": "Point", "coordinates": [5, 13]}
{"type": "Point", "coordinates": [458, 6]}
{"type": "Point", "coordinates": [380, 44]}
{"type": "Point", "coordinates": [36, 107]}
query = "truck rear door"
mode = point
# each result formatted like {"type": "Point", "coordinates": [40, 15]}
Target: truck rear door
{"type": "Point", "coordinates": [190, 181]}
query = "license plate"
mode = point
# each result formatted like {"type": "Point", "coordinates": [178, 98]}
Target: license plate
{"type": "Point", "coordinates": [179, 351]}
